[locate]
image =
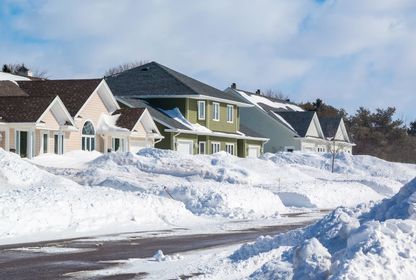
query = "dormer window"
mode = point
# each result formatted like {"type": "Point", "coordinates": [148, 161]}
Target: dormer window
{"type": "Point", "coordinates": [201, 110]}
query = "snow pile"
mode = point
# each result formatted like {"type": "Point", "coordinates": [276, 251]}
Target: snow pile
{"type": "Point", "coordinates": [207, 185]}
{"type": "Point", "coordinates": [11, 77]}
{"type": "Point", "coordinates": [160, 257]}
{"type": "Point", "coordinates": [35, 202]}
{"type": "Point", "coordinates": [365, 242]}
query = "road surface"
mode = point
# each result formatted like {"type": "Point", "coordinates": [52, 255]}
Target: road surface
{"type": "Point", "coordinates": [16, 263]}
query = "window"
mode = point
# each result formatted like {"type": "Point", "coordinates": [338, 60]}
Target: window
{"type": "Point", "coordinates": [215, 147]}
{"type": "Point", "coordinates": [230, 113]}
{"type": "Point", "coordinates": [216, 111]}
{"type": "Point", "coordinates": [45, 143]}
{"type": "Point", "coordinates": [58, 144]}
{"type": "Point", "coordinates": [88, 137]}
{"type": "Point", "coordinates": [229, 148]}
{"type": "Point", "coordinates": [202, 148]}
{"type": "Point", "coordinates": [201, 110]}
{"type": "Point", "coordinates": [118, 144]}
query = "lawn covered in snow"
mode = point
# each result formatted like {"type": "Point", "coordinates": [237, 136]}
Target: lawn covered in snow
{"type": "Point", "coordinates": [83, 193]}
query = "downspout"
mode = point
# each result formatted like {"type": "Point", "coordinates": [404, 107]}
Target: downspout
{"type": "Point", "coordinates": [174, 140]}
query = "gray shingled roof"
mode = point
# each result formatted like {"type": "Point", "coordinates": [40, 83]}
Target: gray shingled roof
{"type": "Point", "coordinates": [330, 126]}
{"type": "Point", "coordinates": [154, 112]}
{"type": "Point", "coordinates": [154, 79]}
{"type": "Point", "coordinates": [249, 132]}
{"type": "Point", "coordinates": [128, 117]}
{"type": "Point", "coordinates": [300, 121]}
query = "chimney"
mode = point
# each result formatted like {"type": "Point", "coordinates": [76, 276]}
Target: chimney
{"type": "Point", "coordinates": [234, 86]}
{"type": "Point", "coordinates": [258, 92]}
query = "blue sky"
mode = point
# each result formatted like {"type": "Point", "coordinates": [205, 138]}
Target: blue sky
{"type": "Point", "coordinates": [349, 53]}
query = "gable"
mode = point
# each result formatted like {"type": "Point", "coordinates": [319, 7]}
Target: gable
{"type": "Point", "coordinates": [55, 115]}
{"type": "Point", "coordinates": [49, 121]}
{"type": "Point", "coordinates": [342, 134]}
{"type": "Point", "coordinates": [314, 129]}
{"type": "Point", "coordinates": [93, 108]}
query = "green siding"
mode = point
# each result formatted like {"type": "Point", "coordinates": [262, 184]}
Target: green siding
{"type": "Point", "coordinates": [222, 125]}
{"type": "Point", "coordinates": [243, 146]}
{"type": "Point", "coordinates": [166, 142]}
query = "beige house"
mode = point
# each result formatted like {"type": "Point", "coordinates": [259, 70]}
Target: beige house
{"type": "Point", "coordinates": [64, 115]}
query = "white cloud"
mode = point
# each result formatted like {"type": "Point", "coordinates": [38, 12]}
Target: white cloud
{"type": "Point", "coordinates": [349, 53]}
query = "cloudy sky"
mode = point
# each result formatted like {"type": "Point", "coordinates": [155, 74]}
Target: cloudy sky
{"type": "Point", "coordinates": [349, 53]}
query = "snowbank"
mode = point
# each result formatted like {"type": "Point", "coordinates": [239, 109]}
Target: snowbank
{"type": "Point", "coordinates": [366, 242]}
{"type": "Point", "coordinates": [35, 202]}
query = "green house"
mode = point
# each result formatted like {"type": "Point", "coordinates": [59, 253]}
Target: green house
{"type": "Point", "coordinates": [193, 117]}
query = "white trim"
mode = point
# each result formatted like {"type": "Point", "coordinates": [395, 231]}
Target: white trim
{"type": "Point", "coordinates": [61, 143]}
{"type": "Point", "coordinates": [204, 111]}
{"type": "Point", "coordinates": [196, 96]}
{"type": "Point", "coordinates": [185, 141]}
{"type": "Point", "coordinates": [57, 99]}
{"type": "Point", "coordinates": [93, 136]}
{"type": "Point", "coordinates": [257, 147]}
{"type": "Point", "coordinates": [42, 142]}
{"type": "Point", "coordinates": [96, 91]}
{"type": "Point", "coordinates": [213, 111]}
{"type": "Point", "coordinates": [231, 145]}
{"type": "Point", "coordinates": [205, 147]}
{"type": "Point", "coordinates": [147, 113]}
{"type": "Point", "coordinates": [219, 134]}
{"type": "Point", "coordinates": [212, 146]}
{"type": "Point", "coordinates": [232, 113]}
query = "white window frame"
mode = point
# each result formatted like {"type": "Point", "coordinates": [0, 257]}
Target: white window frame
{"type": "Point", "coordinates": [61, 141]}
{"type": "Point", "coordinates": [216, 111]}
{"type": "Point", "coordinates": [42, 147]}
{"type": "Point", "coordinates": [230, 117]}
{"type": "Point", "coordinates": [201, 113]}
{"type": "Point", "coordinates": [30, 142]}
{"type": "Point", "coordinates": [228, 146]}
{"type": "Point", "coordinates": [215, 144]}
{"type": "Point", "coordinates": [122, 147]}
{"type": "Point", "coordinates": [88, 141]}
{"type": "Point", "coordinates": [204, 144]}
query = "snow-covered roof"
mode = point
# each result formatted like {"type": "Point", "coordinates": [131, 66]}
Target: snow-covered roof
{"type": "Point", "coordinates": [10, 77]}
{"type": "Point", "coordinates": [176, 114]}
{"type": "Point", "coordinates": [266, 103]}
{"type": "Point", "coordinates": [107, 124]}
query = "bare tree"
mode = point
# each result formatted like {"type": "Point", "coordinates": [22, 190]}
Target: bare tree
{"type": "Point", "coordinates": [23, 70]}
{"type": "Point", "coordinates": [334, 149]}
{"type": "Point", "coordinates": [278, 94]}
{"type": "Point", "coordinates": [123, 67]}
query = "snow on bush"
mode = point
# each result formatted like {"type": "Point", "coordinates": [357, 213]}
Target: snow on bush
{"type": "Point", "coordinates": [366, 242]}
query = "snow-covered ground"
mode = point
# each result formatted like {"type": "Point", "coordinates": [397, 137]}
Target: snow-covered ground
{"type": "Point", "coordinates": [81, 193]}
{"type": "Point", "coordinates": [84, 193]}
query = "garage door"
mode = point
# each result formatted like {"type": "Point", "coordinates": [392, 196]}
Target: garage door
{"type": "Point", "coordinates": [253, 151]}
{"type": "Point", "coordinates": [184, 147]}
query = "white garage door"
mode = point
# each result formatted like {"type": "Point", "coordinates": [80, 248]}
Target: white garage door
{"type": "Point", "coordinates": [184, 147]}
{"type": "Point", "coordinates": [253, 151]}
{"type": "Point", "coordinates": [137, 145]}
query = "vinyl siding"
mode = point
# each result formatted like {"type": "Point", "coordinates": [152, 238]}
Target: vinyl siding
{"type": "Point", "coordinates": [91, 112]}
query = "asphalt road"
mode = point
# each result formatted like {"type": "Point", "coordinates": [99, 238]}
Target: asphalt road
{"type": "Point", "coordinates": [18, 264]}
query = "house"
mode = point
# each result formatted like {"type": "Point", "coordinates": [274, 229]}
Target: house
{"type": "Point", "coordinates": [287, 125]}
{"type": "Point", "coordinates": [335, 131]}
{"type": "Point", "coordinates": [57, 116]}
{"type": "Point", "coordinates": [192, 116]}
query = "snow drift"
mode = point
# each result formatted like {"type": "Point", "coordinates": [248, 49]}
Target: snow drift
{"type": "Point", "coordinates": [35, 201]}
{"type": "Point", "coordinates": [366, 242]}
